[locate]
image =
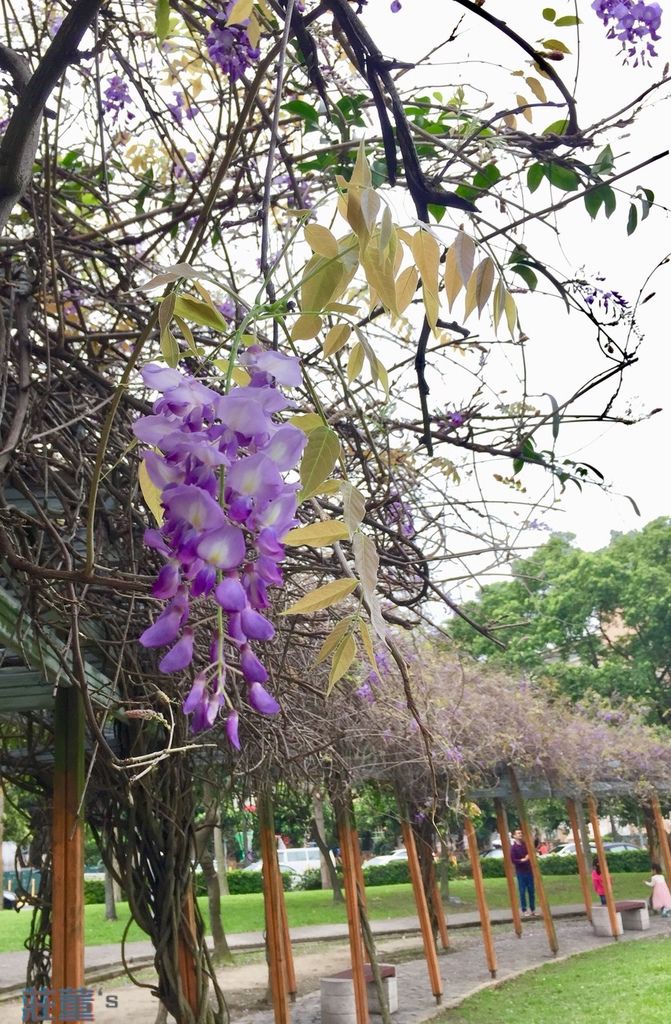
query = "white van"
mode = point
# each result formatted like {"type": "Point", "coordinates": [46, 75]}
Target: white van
{"type": "Point", "coordinates": [294, 860]}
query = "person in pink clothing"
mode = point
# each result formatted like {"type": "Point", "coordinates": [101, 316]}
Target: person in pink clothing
{"type": "Point", "coordinates": [597, 881]}
{"type": "Point", "coordinates": [661, 897]}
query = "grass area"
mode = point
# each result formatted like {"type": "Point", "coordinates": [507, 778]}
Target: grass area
{"type": "Point", "coordinates": [619, 984]}
{"type": "Point", "coordinates": [245, 913]}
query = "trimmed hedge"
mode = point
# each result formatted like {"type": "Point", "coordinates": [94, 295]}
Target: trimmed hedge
{"type": "Point", "coordinates": [94, 891]}
{"type": "Point", "coordinates": [627, 861]}
{"type": "Point", "coordinates": [387, 874]}
{"type": "Point", "coordinates": [242, 882]}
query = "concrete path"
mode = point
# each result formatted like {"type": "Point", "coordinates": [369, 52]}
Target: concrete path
{"type": "Point", "coordinates": [103, 960]}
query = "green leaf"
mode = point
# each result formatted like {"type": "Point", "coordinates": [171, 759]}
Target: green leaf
{"type": "Point", "coordinates": [632, 220]}
{"type": "Point", "coordinates": [527, 274]}
{"type": "Point", "coordinates": [323, 597]}
{"type": "Point", "coordinates": [593, 201]}
{"type": "Point", "coordinates": [557, 127]}
{"type": "Point", "coordinates": [317, 535]}
{"type": "Point", "coordinates": [162, 19]}
{"type": "Point", "coordinates": [549, 13]}
{"type": "Point", "coordinates": [556, 44]}
{"type": "Point", "coordinates": [304, 110]}
{"type": "Point", "coordinates": [320, 456]}
{"type": "Point", "coordinates": [486, 177]}
{"type": "Point", "coordinates": [567, 21]}
{"type": "Point", "coordinates": [609, 200]}
{"type": "Point", "coordinates": [535, 175]}
{"type": "Point", "coordinates": [604, 163]}
{"type": "Point", "coordinates": [199, 312]}
{"type": "Point", "coordinates": [562, 177]}
{"type": "Point", "coordinates": [437, 212]}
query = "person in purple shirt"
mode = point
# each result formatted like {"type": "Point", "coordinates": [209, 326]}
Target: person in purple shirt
{"type": "Point", "coordinates": [525, 879]}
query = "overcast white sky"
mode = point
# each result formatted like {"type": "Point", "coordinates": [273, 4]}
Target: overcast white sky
{"type": "Point", "coordinates": [633, 459]}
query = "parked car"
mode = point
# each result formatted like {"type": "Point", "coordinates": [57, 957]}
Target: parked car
{"type": "Point", "coordinates": [496, 853]}
{"type": "Point", "coordinates": [294, 860]}
{"type": "Point", "coordinates": [387, 858]}
{"type": "Point", "coordinates": [568, 849]}
{"type": "Point", "coordinates": [94, 873]}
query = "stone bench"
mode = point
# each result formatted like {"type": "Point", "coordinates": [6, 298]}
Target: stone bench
{"type": "Point", "coordinates": [634, 914]}
{"type": "Point", "coordinates": [337, 994]}
{"type": "Point", "coordinates": [601, 921]}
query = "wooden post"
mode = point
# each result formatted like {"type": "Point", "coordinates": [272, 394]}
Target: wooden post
{"type": "Point", "coordinates": [502, 825]}
{"type": "Point", "coordinates": [474, 857]}
{"type": "Point", "coordinates": [67, 919]}
{"type": "Point", "coordinates": [441, 916]}
{"type": "Point", "coordinates": [651, 833]}
{"type": "Point", "coordinates": [580, 855]}
{"type": "Point", "coordinates": [352, 905]}
{"type": "Point", "coordinates": [186, 964]}
{"type": "Point", "coordinates": [533, 860]}
{"type": "Point", "coordinates": [272, 904]}
{"type": "Point", "coordinates": [292, 986]}
{"type": "Point", "coordinates": [430, 953]}
{"type": "Point", "coordinates": [603, 863]}
{"type": "Point", "coordinates": [662, 838]}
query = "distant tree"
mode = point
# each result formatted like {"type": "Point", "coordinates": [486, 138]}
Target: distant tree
{"type": "Point", "coordinates": [586, 621]}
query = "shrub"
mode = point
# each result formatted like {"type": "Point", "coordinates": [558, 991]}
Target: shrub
{"type": "Point", "coordinates": [628, 861]}
{"type": "Point", "coordinates": [387, 874]}
{"type": "Point", "coordinates": [309, 880]}
{"type": "Point", "coordinates": [94, 891]}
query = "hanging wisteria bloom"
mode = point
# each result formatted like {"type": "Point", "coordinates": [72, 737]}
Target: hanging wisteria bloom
{"type": "Point", "coordinates": [632, 21]}
{"type": "Point", "coordinates": [229, 46]}
{"type": "Point", "coordinates": [116, 97]}
{"type": "Point", "coordinates": [218, 462]}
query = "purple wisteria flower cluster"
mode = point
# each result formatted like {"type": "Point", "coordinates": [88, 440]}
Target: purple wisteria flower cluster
{"type": "Point", "coordinates": [116, 97]}
{"type": "Point", "coordinates": [631, 21]}
{"type": "Point", "coordinates": [229, 46]}
{"type": "Point", "coordinates": [609, 302]}
{"type": "Point", "coordinates": [219, 469]}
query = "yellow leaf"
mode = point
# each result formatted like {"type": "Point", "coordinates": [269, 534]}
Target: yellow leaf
{"type": "Point", "coordinates": [356, 219]}
{"type": "Point", "coordinates": [336, 339]}
{"type": "Point", "coordinates": [343, 657]}
{"type": "Point", "coordinates": [386, 229]}
{"type": "Point", "coordinates": [537, 89]}
{"type": "Point", "coordinates": [186, 331]}
{"type": "Point", "coordinates": [317, 535]}
{"type": "Point", "coordinates": [169, 347]}
{"type": "Point", "coordinates": [306, 327]}
{"type": "Point", "coordinates": [497, 305]}
{"type": "Point", "coordinates": [306, 421]}
{"type": "Point", "coordinates": [406, 285]}
{"type": "Point", "coordinates": [240, 11]}
{"type": "Point", "coordinates": [253, 30]}
{"type": "Point", "coordinates": [329, 487]}
{"type": "Point", "coordinates": [203, 313]}
{"type": "Point", "coordinates": [333, 639]}
{"type": "Point", "coordinates": [323, 281]}
{"type": "Point", "coordinates": [369, 202]}
{"type": "Point", "coordinates": [341, 307]}
{"type": "Point", "coordinates": [320, 456]}
{"type": "Point", "coordinates": [523, 102]}
{"type": "Point", "coordinates": [323, 597]}
{"type": "Point", "coordinates": [150, 493]}
{"type": "Point", "coordinates": [380, 276]}
{"type": "Point", "coordinates": [367, 641]}
{"type": "Point", "coordinates": [510, 310]}
{"type": "Point", "coordinates": [366, 562]}
{"type": "Point", "coordinates": [355, 362]}
{"type": "Point", "coordinates": [354, 505]}
{"type": "Point", "coordinates": [426, 251]}
{"type": "Point", "coordinates": [464, 252]}
{"type": "Point", "coordinates": [361, 174]}
{"type": "Point", "coordinates": [166, 310]}
{"type": "Point", "coordinates": [321, 240]}
{"type": "Point", "coordinates": [479, 286]}
{"type": "Point", "coordinates": [240, 376]}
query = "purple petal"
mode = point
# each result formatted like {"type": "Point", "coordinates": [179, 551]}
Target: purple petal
{"type": "Point", "coordinates": [252, 669]}
{"type": "Point", "coordinates": [152, 429]}
{"type": "Point", "coordinates": [154, 539]}
{"type": "Point", "coordinates": [167, 582]}
{"type": "Point", "coordinates": [195, 506]}
{"type": "Point", "coordinates": [255, 476]}
{"type": "Point", "coordinates": [196, 694]}
{"type": "Point", "coordinates": [268, 544]}
{"type": "Point", "coordinates": [234, 629]}
{"type": "Point", "coordinates": [232, 721]}
{"type": "Point", "coordinates": [230, 594]}
{"type": "Point", "coordinates": [279, 515]}
{"type": "Point", "coordinates": [267, 568]}
{"type": "Point", "coordinates": [179, 656]}
{"type": "Point", "coordinates": [224, 547]}
{"type": "Point", "coordinates": [164, 630]}
{"type": "Point", "coordinates": [203, 581]}
{"type": "Point", "coordinates": [261, 701]}
{"type": "Point", "coordinates": [160, 472]}
{"type": "Point", "coordinates": [160, 378]}
{"type": "Point", "coordinates": [286, 447]}
{"type": "Point", "coordinates": [285, 369]}
{"type": "Point", "coordinates": [255, 626]}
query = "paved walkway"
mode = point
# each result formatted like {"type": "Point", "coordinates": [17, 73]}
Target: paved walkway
{"type": "Point", "coordinates": [105, 959]}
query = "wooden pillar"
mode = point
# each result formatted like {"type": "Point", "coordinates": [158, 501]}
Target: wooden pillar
{"type": "Point", "coordinates": [292, 986]}
{"type": "Point", "coordinates": [504, 832]}
{"type": "Point", "coordinates": [580, 856]}
{"type": "Point", "coordinates": [186, 963]}
{"type": "Point", "coordinates": [603, 863]}
{"type": "Point", "coordinates": [430, 953]}
{"type": "Point", "coordinates": [352, 904]}
{"type": "Point", "coordinates": [67, 918]}
{"type": "Point", "coordinates": [441, 916]}
{"type": "Point", "coordinates": [483, 909]}
{"type": "Point", "coordinates": [520, 806]}
{"type": "Point", "coordinates": [651, 833]}
{"type": "Point", "coordinates": [662, 838]}
{"type": "Point", "coordinates": [272, 905]}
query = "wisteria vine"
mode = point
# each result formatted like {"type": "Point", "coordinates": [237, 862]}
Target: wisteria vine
{"type": "Point", "coordinates": [218, 469]}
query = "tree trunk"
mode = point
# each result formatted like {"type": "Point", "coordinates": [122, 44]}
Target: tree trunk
{"type": "Point", "coordinates": [221, 859]}
{"type": "Point", "coordinates": [110, 905]}
{"type": "Point", "coordinates": [2, 832]}
{"type": "Point", "coordinates": [330, 867]}
{"type": "Point", "coordinates": [584, 837]}
{"type": "Point", "coordinates": [204, 843]}
{"type": "Point", "coordinates": [613, 827]}
{"type": "Point", "coordinates": [325, 860]}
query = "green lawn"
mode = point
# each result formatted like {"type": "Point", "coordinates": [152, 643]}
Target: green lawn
{"type": "Point", "coordinates": [245, 913]}
{"type": "Point", "coordinates": [620, 984]}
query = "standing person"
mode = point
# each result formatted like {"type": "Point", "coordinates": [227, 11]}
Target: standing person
{"type": "Point", "coordinates": [597, 881]}
{"type": "Point", "coordinates": [661, 897]}
{"type": "Point", "coordinates": [525, 879]}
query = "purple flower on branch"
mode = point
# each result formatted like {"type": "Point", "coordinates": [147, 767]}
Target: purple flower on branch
{"type": "Point", "coordinates": [631, 21]}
